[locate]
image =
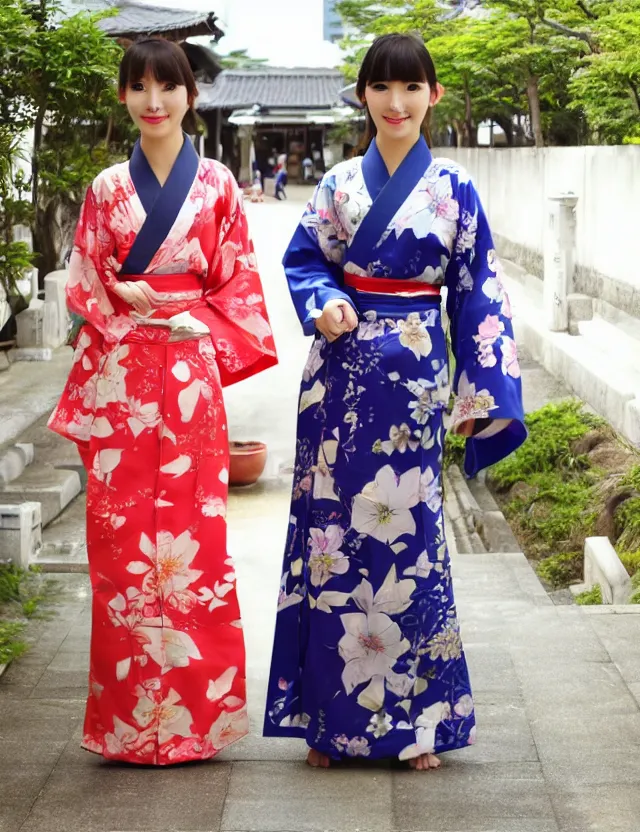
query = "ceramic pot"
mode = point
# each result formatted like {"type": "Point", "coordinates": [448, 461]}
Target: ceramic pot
{"type": "Point", "coordinates": [247, 462]}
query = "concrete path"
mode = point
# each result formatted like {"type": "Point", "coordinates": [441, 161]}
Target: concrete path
{"type": "Point", "coordinates": [557, 688]}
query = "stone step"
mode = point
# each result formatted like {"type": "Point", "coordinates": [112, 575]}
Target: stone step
{"type": "Point", "coordinates": [64, 547]}
{"type": "Point", "coordinates": [52, 449]}
{"type": "Point", "coordinates": [613, 340]}
{"type": "Point", "coordinates": [594, 373]}
{"type": "Point", "coordinates": [13, 461]}
{"type": "Point", "coordinates": [53, 488]}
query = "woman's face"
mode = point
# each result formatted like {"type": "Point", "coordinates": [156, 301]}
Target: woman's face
{"type": "Point", "coordinates": [398, 108]}
{"type": "Point", "coordinates": [157, 108]}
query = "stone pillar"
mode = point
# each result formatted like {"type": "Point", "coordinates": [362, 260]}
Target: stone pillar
{"type": "Point", "coordinates": [245, 134]}
{"type": "Point", "coordinates": [20, 533]}
{"type": "Point", "coordinates": [56, 317]}
{"type": "Point", "coordinates": [559, 260]}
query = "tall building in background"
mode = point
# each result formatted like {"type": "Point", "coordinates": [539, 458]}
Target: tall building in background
{"type": "Point", "coordinates": [333, 29]}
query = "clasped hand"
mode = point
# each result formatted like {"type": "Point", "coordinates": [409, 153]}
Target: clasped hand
{"type": "Point", "coordinates": [338, 317]}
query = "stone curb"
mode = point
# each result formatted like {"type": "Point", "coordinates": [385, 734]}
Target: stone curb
{"type": "Point", "coordinates": [464, 513]}
{"type": "Point", "coordinates": [13, 461]}
{"type": "Point", "coordinates": [478, 523]}
{"type": "Point", "coordinates": [603, 567]}
{"type": "Point", "coordinates": [586, 371]}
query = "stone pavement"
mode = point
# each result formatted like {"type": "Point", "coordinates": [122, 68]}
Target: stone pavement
{"type": "Point", "coordinates": [557, 688]}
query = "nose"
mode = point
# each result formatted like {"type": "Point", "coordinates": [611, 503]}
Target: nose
{"type": "Point", "coordinates": [153, 101]}
{"type": "Point", "coordinates": [396, 103]}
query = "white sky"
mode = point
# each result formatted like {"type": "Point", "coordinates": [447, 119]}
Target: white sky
{"type": "Point", "coordinates": [286, 32]}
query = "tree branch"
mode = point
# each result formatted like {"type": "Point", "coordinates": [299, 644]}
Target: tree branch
{"type": "Point", "coordinates": [587, 11]}
{"type": "Point", "coordinates": [571, 33]}
{"type": "Point", "coordinates": [635, 91]}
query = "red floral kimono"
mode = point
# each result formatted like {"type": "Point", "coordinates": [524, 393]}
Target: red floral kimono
{"type": "Point", "coordinates": [144, 404]}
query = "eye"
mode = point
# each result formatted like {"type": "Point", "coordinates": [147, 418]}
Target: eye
{"type": "Point", "coordinates": [414, 87]}
{"type": "Point", "coordinates": [379, 87]}
{"type": "Point", "coordinates": [169, 87]}
{"type": "Point", "coordinates": [137, 86]}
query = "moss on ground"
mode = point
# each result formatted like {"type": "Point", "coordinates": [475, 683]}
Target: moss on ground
{"type": "Point", "coordinates": [572, 479]}
{"type": "Point", "coordinates": [21, 594]}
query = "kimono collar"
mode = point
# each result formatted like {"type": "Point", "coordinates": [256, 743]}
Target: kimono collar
{"type": "Point", "coordinates": [388, 194]}
{"type": "Point", "coordinates": [375, 172]}
{"type": "Point", "coordinates": [144, 179]}
{"type": "Point", "coordinates": [162, 203]}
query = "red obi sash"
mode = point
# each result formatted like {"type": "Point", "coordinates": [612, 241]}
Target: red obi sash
{"type": "Point", "coordinates": [389, 286]}
{"type": "Point", "coordinates": [183, 282]}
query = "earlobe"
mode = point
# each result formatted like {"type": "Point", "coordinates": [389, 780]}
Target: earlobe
{"type": "Point", "coordinates": [437, 95]}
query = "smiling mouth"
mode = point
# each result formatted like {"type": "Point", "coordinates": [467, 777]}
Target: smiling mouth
{"type": "Point", "coordinates": [154, 119]}
{"type": "Point", "coordinates": [396, 120]}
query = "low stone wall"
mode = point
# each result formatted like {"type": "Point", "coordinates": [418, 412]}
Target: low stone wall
{"type": "Point", "coordinates": [515, 184]}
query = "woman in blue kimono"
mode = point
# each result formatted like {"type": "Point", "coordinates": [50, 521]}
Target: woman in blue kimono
{"type": "Point", "coordinates": [367, 659]}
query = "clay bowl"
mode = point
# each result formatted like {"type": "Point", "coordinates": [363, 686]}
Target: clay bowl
{"type": "Point", "coordinates": [247, 461]}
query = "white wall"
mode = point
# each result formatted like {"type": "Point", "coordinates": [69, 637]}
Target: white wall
{"type": "Point", "coordinates": [514, 184]}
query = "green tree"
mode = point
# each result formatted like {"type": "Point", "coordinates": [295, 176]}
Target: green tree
{"type": "Point", "coordinates": [15, 117]}
{"type": "Point", "coordinates": [58, 81]}
{"type": "Point", "coordinates": [75, 97]}
{"type": "Point", "coordinates": [570, 69]}
{"type": "Point", "coordinates": [606, 85]}
{"type": "Point", "coordinates": [238, 59]}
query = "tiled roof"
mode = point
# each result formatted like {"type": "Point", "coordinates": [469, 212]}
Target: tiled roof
{"type": "Point", "coordinates": [272, 87]}
{"type": "Point", "coordinates": [137, 18]}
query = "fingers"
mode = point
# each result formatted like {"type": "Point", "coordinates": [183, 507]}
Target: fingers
{"type": "Point", "coordinates": [349, 316]}
{"type": "Point", "coordinates": [338, 317]}
{"type": "Point", "coordinates": [133, 295]}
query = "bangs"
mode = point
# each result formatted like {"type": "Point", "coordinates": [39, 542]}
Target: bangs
{"type": "Point", "coordinates": [160, 59]}
{"type": "Point", "coordinates": [396, 60]}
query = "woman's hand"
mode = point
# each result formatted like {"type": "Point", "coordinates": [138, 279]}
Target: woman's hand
{"type": "Point", "coordinates": [338, 317]}
{"type": "Point", "coordinates": [132, 292]}
{"type": "Point", "coordinates": [185, 327]}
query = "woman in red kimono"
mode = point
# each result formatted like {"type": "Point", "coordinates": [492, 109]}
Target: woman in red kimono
{"type": "Point", "coordinates": [164, 275]}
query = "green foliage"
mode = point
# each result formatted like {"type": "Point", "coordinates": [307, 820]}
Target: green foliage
{"type": "Point", "coordinates": [558, 500]}
{"type": "Point", "coordinates": [58, 79]}
{"type": "Point", "coordinates": [561, 570]}
{"type": "Point", "coordinates": [591, 596]}
{"type": "Point", "coordinates": [21, 594]}
{"type": "Point", "coordinates": [11, 645]}
{"type": "Point", "coordinates": [552, 430]}
{"type": "Point", "coordinates": [453, 450]}
{"type": "Point", "coordinates": [560, 510]}
{"type": "Point", "coordinates": [635, 583]}
{"type": "Point", "coordinates": [628, 518]}
{"type": "Point", "coordinates": [630, 561]}
{"type": "Point", "coordinates": [238, 59]}
{"type": "Point", "coordinates": [569, 68]}
{"type": "Point", "coordinates": [20, 590]}
{"type": "Point", "coordinates": [633, 478]}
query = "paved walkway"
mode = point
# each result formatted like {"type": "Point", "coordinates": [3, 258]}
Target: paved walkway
{"type": "Point", "coordinates": [557, 690]}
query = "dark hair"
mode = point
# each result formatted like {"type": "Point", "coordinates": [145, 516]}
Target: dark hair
{"type": "Point", "coordinates": [395, 57]}
{"type": "Point", "coordinates": [159, 57]}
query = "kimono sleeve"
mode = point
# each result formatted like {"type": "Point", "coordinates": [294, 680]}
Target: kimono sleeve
{"type": "Point", "coordinates": [91, 270]}
{"type": "Point", "coordinates": [313, 260]}
{"type": "Point", "coordinates": [233, 306]}
{"type": "Point", "coordinates": [487, 385]}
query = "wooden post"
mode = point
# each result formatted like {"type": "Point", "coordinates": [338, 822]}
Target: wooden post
{"type": "Point", "coordinates": [559, 260]}
{"type": "Point", "coordinates": [217, 150]}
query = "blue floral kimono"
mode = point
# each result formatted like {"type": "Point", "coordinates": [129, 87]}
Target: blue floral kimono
{"type": "Point", "coordinates": [367, 659]}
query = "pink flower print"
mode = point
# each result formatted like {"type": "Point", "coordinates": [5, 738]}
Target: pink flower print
{"type": "Point", "coordinates": [487, 357]}
{"type": "Point", "coordinates": [489, 330]}
{"type": "Point", "coordinates": [510, 365]}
